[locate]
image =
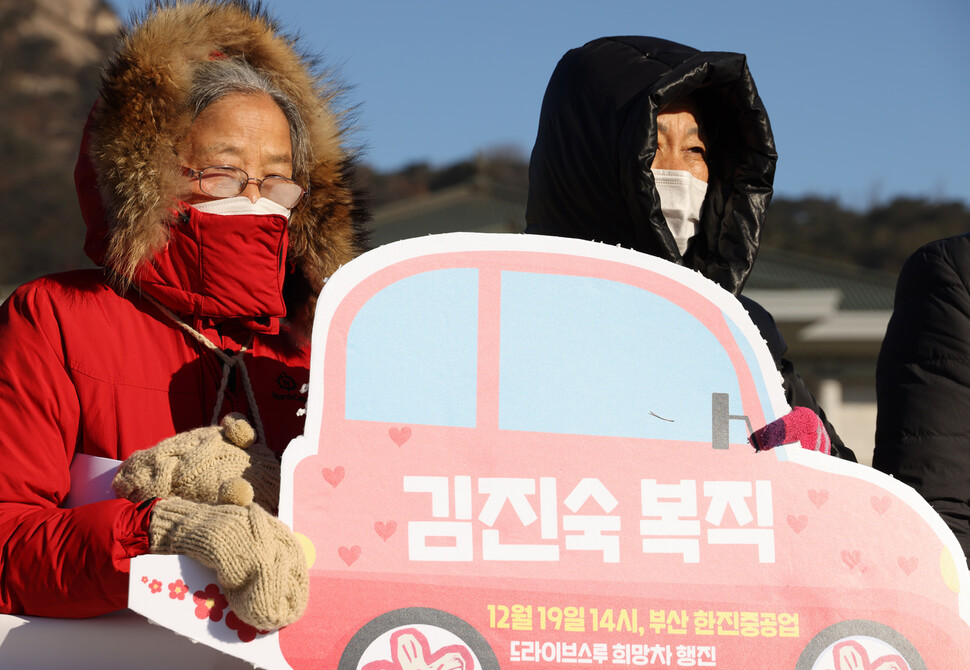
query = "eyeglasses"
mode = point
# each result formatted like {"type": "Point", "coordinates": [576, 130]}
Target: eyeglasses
{"type": "Point", "coordinates": [225, 181]}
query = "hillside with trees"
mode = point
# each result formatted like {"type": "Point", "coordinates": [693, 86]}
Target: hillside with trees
{"type": "Point", "coordinates": [880, 238]}
{"type": "Point", "coordinates": [50, 55]}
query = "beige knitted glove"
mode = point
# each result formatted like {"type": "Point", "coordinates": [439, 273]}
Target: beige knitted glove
{"type": "Point", "coordinates": [216, 464]}
{"type": "Point", "coordinates": [257, 559]}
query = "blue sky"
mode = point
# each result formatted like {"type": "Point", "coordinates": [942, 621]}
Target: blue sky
{"type": "Point", "coordinates": [868, 100]}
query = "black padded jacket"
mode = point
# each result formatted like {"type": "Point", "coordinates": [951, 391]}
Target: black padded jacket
{"type": "Point", "coordinates": [590, 177]}
{"type": "Point", "coordinates": [923, 382]}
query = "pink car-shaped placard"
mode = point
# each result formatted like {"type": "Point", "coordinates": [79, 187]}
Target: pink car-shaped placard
{"type": "Point", "coordinates": [532, 452]}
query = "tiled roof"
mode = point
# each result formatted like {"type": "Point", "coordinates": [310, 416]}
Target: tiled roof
{"type": "Point", "coordinates": [480, 206]}
{"type": "Point", "coordinates": [861, 288]}
{"type": "Point", "coordinates": [472, 207]}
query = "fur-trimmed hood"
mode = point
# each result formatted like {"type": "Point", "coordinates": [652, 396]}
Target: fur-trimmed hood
{"type": "Point", "coordinates": [128, 174]}
{"type": "Point", "coordinates": [590, 176]}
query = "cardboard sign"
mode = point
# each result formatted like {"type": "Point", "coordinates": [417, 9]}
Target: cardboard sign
{"type": "Point", "coordinates": [532, 452]}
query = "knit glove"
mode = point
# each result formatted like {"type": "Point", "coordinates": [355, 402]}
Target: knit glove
{"type": "Point", "coordinates": [215, 464]}
{"type": "Point", "coordinates": [257, 559]}
{"type": "Point", "coordinates": [800, 425]}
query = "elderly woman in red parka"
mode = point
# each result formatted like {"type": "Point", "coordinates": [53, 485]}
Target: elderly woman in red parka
{"type": "Point", "coordinates": [217, 187]}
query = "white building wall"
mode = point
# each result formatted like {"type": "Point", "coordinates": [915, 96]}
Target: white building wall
{"type": "Point", "coordinates": [857, 422]}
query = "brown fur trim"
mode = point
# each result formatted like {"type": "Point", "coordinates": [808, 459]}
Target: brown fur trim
{"type": "Point", "coordinates": [143, 116]}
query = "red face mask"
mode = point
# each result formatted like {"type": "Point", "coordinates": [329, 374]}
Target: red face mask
{"type": "Point", "coordinates": [221, 266]}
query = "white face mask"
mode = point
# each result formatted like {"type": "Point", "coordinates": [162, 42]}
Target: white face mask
{"type": "Point", "coordinates": [681, 198]}
{"type": "Point", "coordinates": [242, 205]}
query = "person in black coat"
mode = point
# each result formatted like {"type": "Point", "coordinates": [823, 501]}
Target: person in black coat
{"type": "Point", "coordinates": [923, 382]}
{"type": "Point", "coordinates": [659, 147]}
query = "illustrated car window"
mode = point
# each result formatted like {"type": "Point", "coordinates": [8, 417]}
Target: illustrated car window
{"type": "Point", "coordinates": [751, 360]}
{"type": "Point", "coordinates": [412, 352]}
{"type": "Point", "coordinates": [626, 366]}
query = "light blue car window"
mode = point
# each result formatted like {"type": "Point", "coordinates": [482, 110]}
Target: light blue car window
{"type": "Point", "coordinates": [752, 363]}
{"type": "Point", "coordinates": [591, 356]}
{"type": "Point", "coordinates": [412, 352]}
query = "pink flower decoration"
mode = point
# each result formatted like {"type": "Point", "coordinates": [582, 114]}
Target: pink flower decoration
{"type": "Point", "coordinates": [210, 603]}
{"type": "Point", "coordinates": [410, 650]}
{"type": "Point", "coordinates": [246, 632]}
{"type": "Point", "coordinates": [177, 590]}
{"type": "Point", "coordinates": [850, 655]}
{"type": "Point", "coordinates": [144, 580]}
{"type": "Point", "coordinates": [155, 586]}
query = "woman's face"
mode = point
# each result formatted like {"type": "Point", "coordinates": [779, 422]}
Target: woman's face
{"type": "Point", "coordinates": [680, 142]}
{"type": "Point", "coordinates": [243, 130]}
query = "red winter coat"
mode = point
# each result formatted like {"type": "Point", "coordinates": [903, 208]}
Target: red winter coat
{"type": "Point", "coordinates": [85, 370]}
{"type": "Point", "coordinates": [89, 368]}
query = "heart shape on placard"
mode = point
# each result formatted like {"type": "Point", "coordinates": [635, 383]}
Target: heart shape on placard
{"type": "Point", "coordinates": [907, 564]}
{"type": "Point", "coordinates": [335, 476]}
{"type": "Point", "coordinates": [400, 435]}
{"type": "Point", "coordinates": [818, 498]}
{"type": "Point", "coordinates": [349, 554]}
{"type": "Point", "coordinates": [385, 530]}
{"type": "Point", "coordinates": [797, 523]}
{"type": "Point", "coordinates": [851, 558]}
{"type": "Point", "coordinates": [880, 504]}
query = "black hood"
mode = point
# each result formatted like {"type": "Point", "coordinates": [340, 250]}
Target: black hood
{"type": "Point", "coordinates": [590, 176]}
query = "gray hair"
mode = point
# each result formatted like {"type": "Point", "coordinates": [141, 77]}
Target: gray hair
{"type": "Point", "coordinates": [217, 78]}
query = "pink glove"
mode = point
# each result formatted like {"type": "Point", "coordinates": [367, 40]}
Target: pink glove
{"type": "Point", "coordinates": [801, 425]}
